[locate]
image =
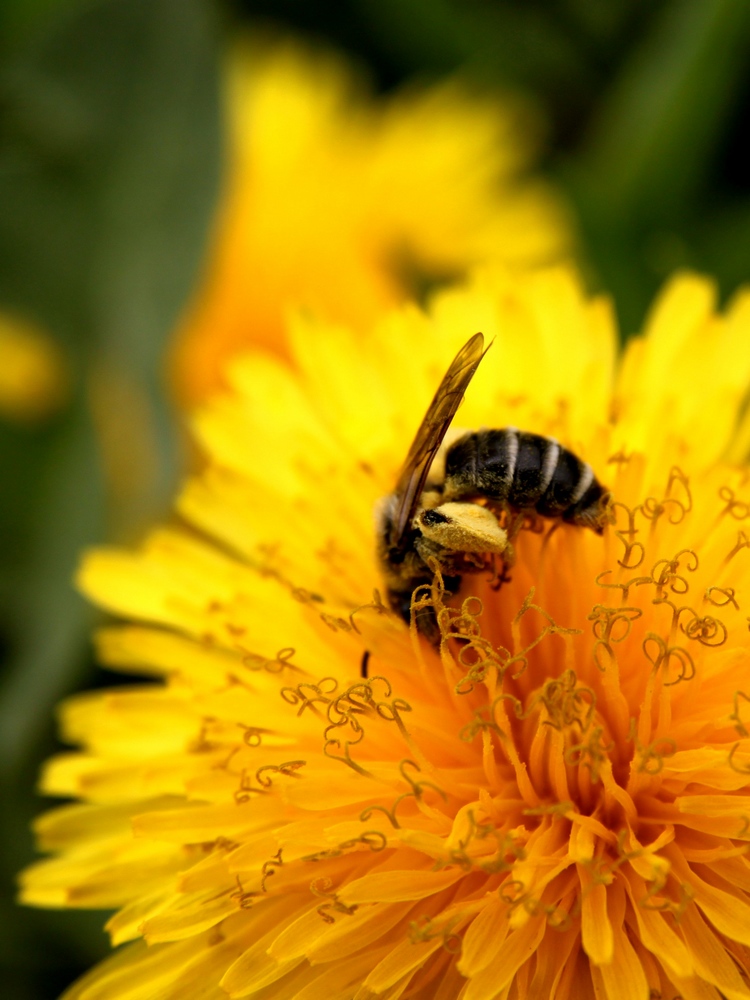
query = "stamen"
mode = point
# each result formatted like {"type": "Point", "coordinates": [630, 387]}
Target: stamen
{"type": "Point", "coordinates": [426, 929]}
{"type": "Point", "coordinates": [552, 629]}
{"type": "Point", "coordinates": [743, 542]}
{"type": "Point", "coordinates": [739, 768]}
{"type": "Point", "coordinates": [518, 709]}
{"type": "Point", "coordinates": [376, 604]}
{"type": "Point", "coordinates": [479, 657]}
{"type": "Point", "coordinates": [604, 621]}
{"type": "Point", "coordinates": [416, 793]}
{"type": "Point", "coordinates": [289, 769]}
{"type": "Point", "coordinates": [319, 887]}
{"type": "Point", "coordinates": [308, 695]}
{"type": "Point", "coordinates": [739, 725]}
{"type": "Point", "coordinates": [252, 735]}
{"type": "Point", "coordinates": [342, 713]}
{"type": "Point", "coordinates": [202, 744]}
{"type": "Point", "coordinates": [676, 475]}
{"type": "Point", "coordinates": [418, 787]}
{"type": "Point", "coordinates": [305, 596]}
{"type": "Point", "coordinates": [476, 655]}
{"type": "Point", "coordinates": [635, 551]}
{"type": "Point", "coordinates": [590, 754]}
{"type": "Point", "coordinates": [244, 792]}
{"type": "Point", "coordinates": [244, 899]}
{"type": "Point", "coordinates": [568, 703]}
{"type": "Point", "coordinates": [224, 764]}
{"type": "Point", "coordinates": [737, 509]}
{"type": "Point", "coordinates": [706, 630]}
{"type": "Point", "coordinates": [636, 581]}
{"type": "Point", "coordinates": [652, 508]}
{"type": "Point", "coordinates": [269, 869]}
{"type": "Point", "coordinates": [365, 815]}
{"type": "Point", "coordinates": [676, 909]}
{"type": "Point", "coordinates": [513, 892]}
{"type": "Point", "coordinates": [665, 654]}
{"type": "Point", "coordinates": [676, 612]}
{"type": "Point", "coordinates": [373, 839]}
{"type": "Point", "coordinates": [334, 743]}
{"type": "Point", "coordinates": [668, 574]}
{"type": "Point", "coordinates": [509, 851]}
{"type": "Point", "coordinates": [651, 758]}
{"type": "Point", "coordinates": [478, 724]}
{"type": "Point", "coordinates": [274, 666]}
{"type": "Point", "coordinates": [726, 592]}
{"type": "Point", "coordinates": [390, 712]}
{"type": "Point", "coordinates": [600, 871]}
{"type": "Point", "coordinates": [336, 623]}
{"type": "Point", "coordinates": [247, 789]}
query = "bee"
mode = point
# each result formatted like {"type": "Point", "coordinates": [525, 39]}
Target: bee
{"type": "Point", "coordinates": [450, 497]}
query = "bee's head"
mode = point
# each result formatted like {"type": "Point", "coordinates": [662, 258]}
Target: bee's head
{"type": "Point", "coordinates": [462, 527]}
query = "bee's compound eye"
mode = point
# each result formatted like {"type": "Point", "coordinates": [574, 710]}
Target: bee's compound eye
{"type": "Point", "coordinates": [433, 517]}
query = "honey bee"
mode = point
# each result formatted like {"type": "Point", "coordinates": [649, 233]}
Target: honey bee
{"type": "Point", "coordinates": [450, 497]}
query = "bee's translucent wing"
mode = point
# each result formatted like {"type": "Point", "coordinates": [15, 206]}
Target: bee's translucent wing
{"type": "Point", "coordinates": [431, 432]}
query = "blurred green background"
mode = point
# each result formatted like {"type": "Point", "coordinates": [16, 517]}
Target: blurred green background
{"type": "Point", "coordinates": [110, 162]}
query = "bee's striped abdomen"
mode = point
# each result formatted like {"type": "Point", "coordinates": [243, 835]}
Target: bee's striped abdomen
{"type": "Point", "coordinates": [524, 471]}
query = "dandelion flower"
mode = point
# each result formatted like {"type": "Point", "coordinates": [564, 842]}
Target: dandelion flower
{"type": "Point", "coordinates": [555, 802]}
{"type": "Point", "coordinates": [33, 376]}
{"type": "Point", "coordinates": [342, 204]}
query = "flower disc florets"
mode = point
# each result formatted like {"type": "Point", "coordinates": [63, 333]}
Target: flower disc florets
{"type": "Point", "coordinates": [317, 802]}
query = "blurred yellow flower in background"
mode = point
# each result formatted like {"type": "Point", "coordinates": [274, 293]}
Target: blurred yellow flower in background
{"type": "Point", "coordinates": [346, 205]}
{"type": "Point", "coordinates": [554, 804]}
{"type": "Point", "coordinates": [33, 374]}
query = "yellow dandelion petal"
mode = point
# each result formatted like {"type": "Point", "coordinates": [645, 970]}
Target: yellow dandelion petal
{"type": "Point", "coordinates": [353, 203]}
{"type": "Point", "coordinates": [316, 802]}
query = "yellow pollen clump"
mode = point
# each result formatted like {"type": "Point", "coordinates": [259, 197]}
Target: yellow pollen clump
{"type": "Point", "coordinates": [316, 801]}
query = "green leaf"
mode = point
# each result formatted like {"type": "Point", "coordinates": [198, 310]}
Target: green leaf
{"type": "Point", "coordinates": [657, 128]}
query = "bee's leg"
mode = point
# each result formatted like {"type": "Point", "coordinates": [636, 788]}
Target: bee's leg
{"type": "Point", "coordinates": [500, 574]}
{"type": "Point", "coordinates": [514, 526]}
{"type": "Point", "coordinates": [431, 552]}
{"type": "Point", "coordinates": [509, 558]}
{"type": "Point", "coordinates": [496, 575]}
